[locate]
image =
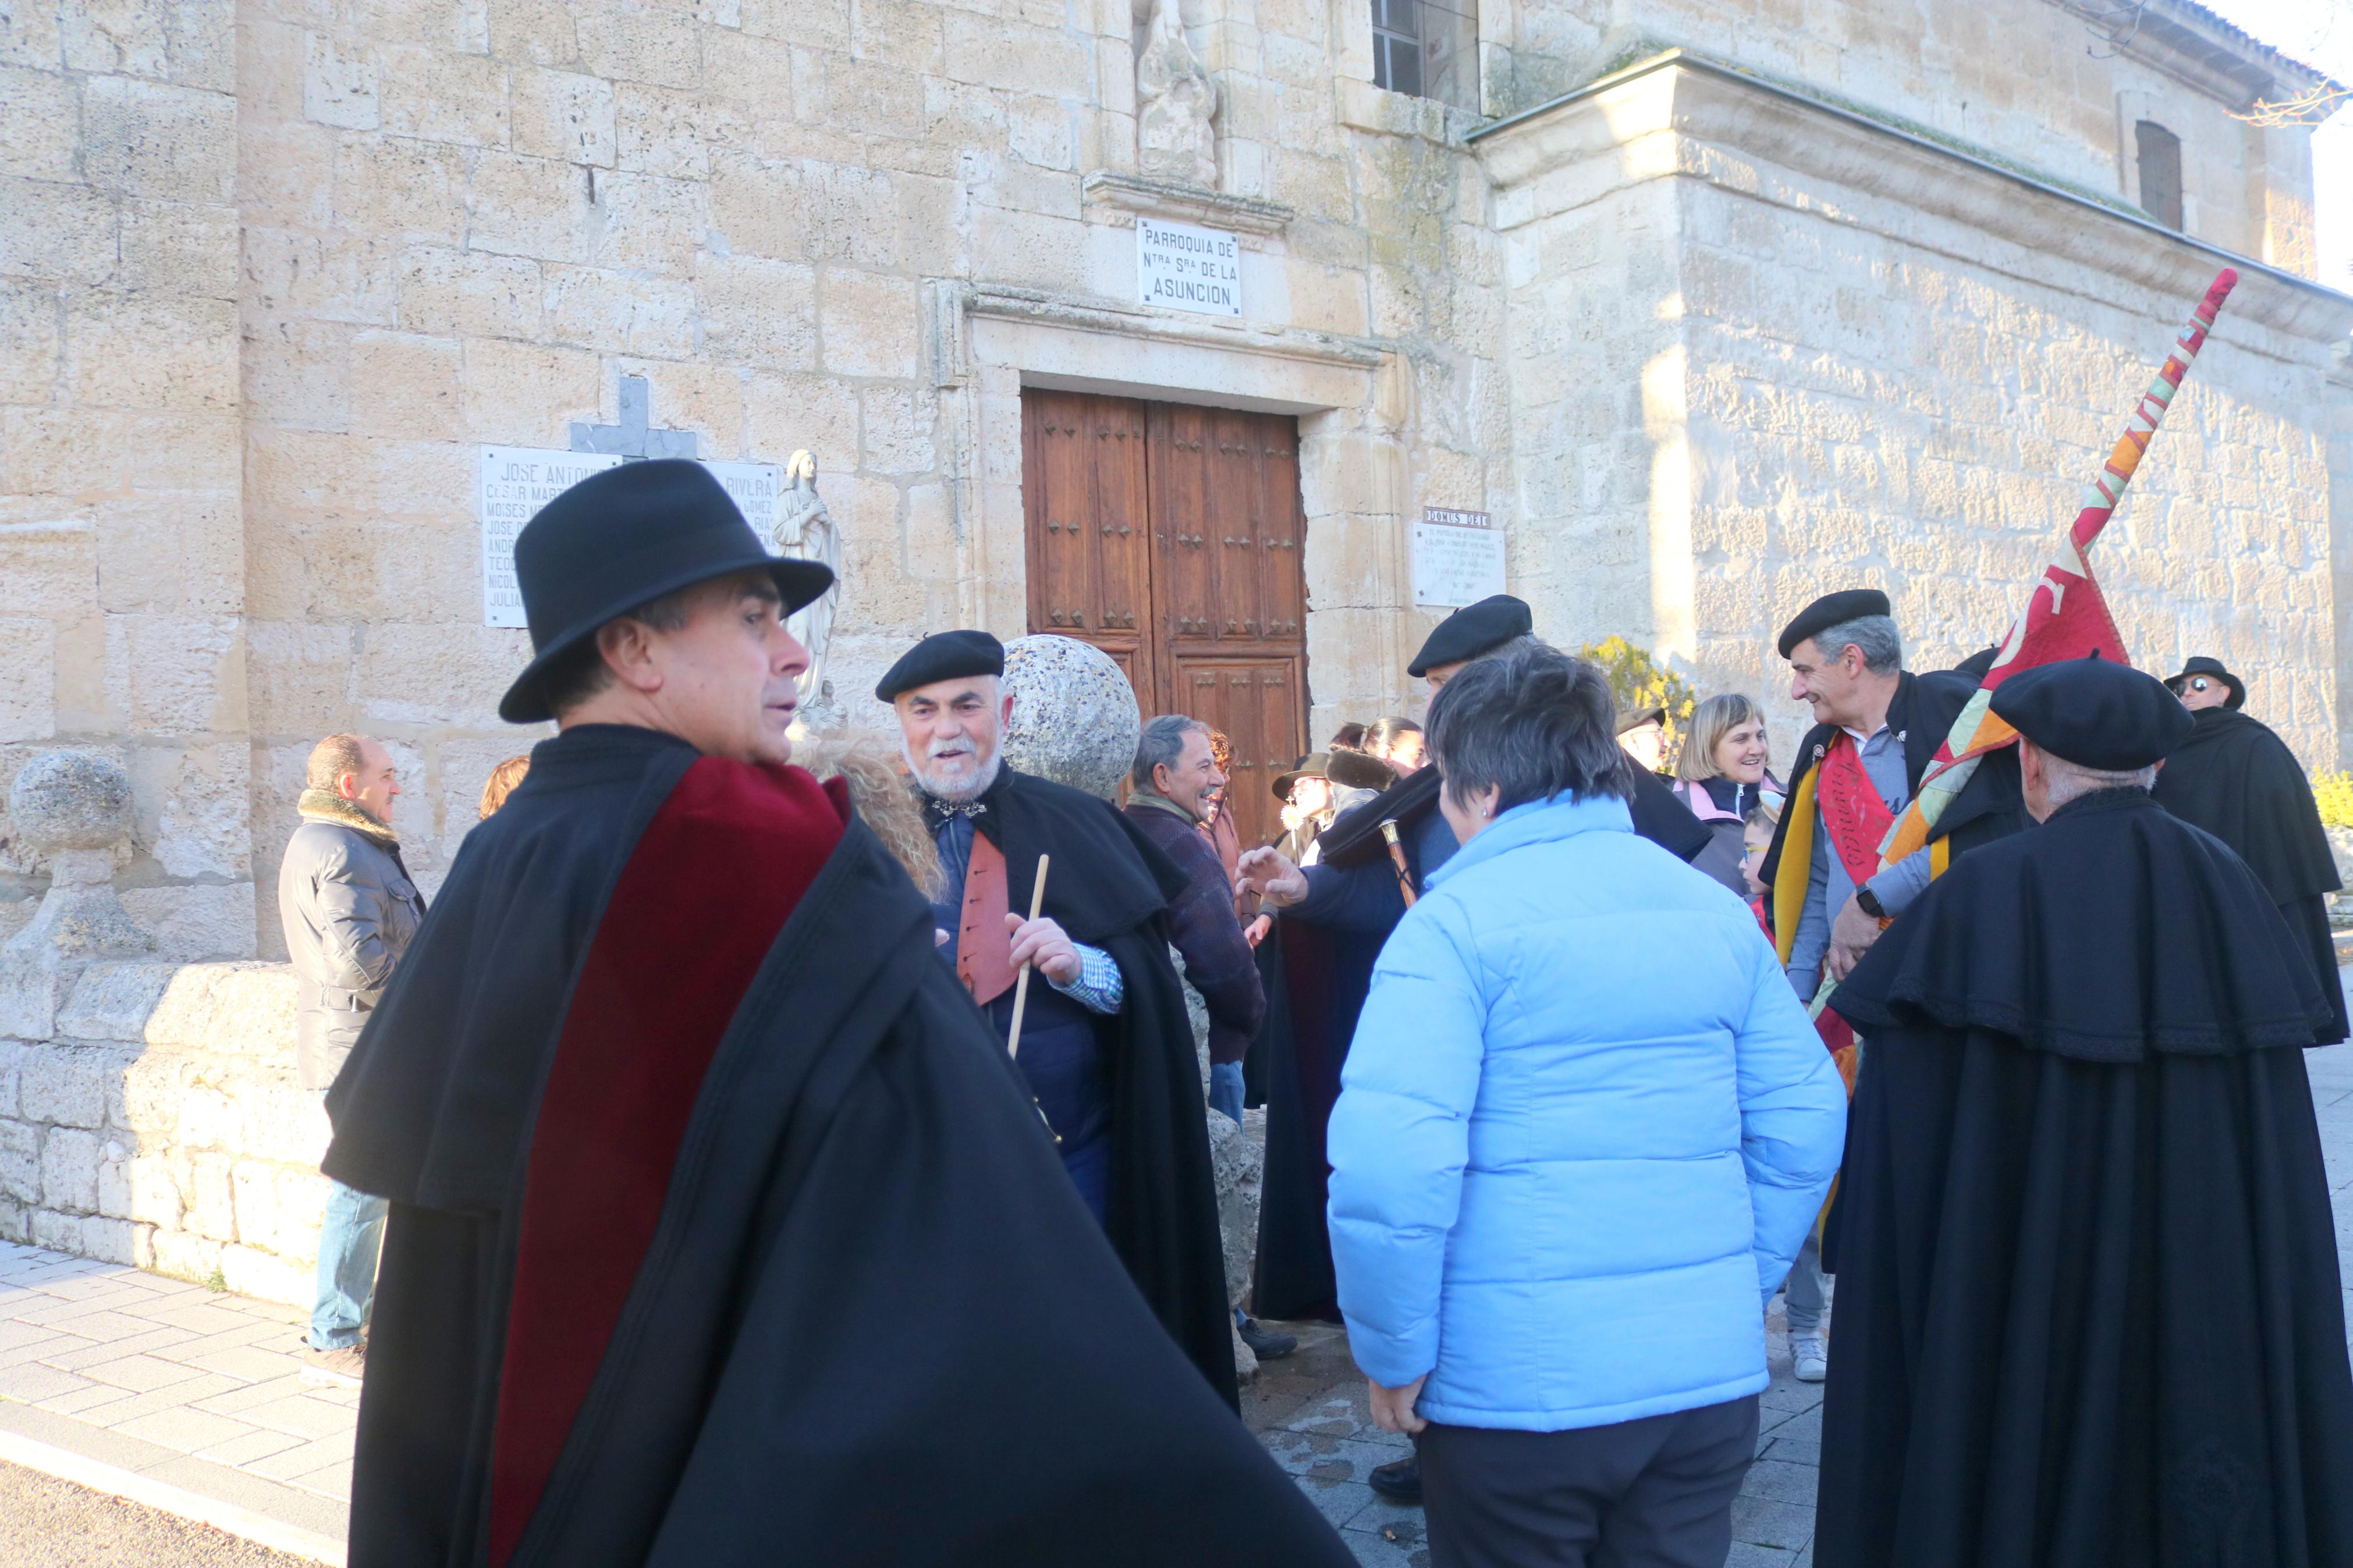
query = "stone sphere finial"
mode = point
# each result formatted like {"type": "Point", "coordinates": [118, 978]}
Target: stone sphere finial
{"type": "Point", "coordinates": [1074, 715]}
{"type": "Point", "coordinates": [70, 800]}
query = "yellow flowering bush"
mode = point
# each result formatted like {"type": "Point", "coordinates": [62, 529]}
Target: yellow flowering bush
{"type": "Point", "coordinates": [1637, 680]}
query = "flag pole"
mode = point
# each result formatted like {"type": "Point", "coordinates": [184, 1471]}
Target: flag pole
{"type": "Point", "coordinates": [1977, 731]}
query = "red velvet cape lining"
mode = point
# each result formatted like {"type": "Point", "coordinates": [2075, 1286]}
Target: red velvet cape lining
{"type": "Point", "coordinates": [718, 871]}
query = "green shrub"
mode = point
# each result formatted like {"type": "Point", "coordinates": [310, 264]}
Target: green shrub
{"type": "Point", "coordinates": [1638, 680]}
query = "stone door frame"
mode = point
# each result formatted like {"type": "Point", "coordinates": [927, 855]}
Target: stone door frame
{"type": "Point", "coordinates": [988, 343]}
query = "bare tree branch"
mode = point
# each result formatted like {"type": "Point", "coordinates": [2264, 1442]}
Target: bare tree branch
{"type": "Point", "coordinates": [2310, 107]}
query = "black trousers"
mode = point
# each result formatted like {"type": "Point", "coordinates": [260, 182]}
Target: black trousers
{"type": "Point", "coordinates": [1654, 1493]}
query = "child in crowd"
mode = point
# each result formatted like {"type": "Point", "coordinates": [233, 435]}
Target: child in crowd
{"type": "Point", "coordinates": [1757, 837]}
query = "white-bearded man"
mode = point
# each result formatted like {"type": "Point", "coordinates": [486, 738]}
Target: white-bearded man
{"type": "Point", "coordinates": [1106, 1046]}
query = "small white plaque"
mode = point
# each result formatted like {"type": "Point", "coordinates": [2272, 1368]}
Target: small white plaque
{"type": "Point", "coordinates": [513, 484]}
{"type": "Point", "coordinates": [1186, 268]}
{"type": "Point", "coordinates": [1457, 559]}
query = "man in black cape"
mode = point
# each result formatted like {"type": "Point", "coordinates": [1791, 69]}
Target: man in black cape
{"type": "Point", "coordinates": [720, 1227]}
{"type": "Point", "coordinates": [1334, 916]}
{"type": "Point", "coordinates": [1106, 1046]}
{"type": "Point", "coordinates": [2237, 779]}
{"type": "Point", "coordinates": [2088, 1300]}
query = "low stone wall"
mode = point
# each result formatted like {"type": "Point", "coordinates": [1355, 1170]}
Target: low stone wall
{"type": "Point", "coordinates": [161, 1125]}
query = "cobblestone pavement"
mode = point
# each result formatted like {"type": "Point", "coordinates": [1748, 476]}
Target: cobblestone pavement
{"type": "Point", "coordinates": [203, 1389]}
{"type": "Point", "coordinates": [1309, 1409]}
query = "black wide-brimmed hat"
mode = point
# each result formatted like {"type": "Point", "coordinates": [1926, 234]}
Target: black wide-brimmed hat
{"type": "Point", "coordinates": [2213, 668]}
{"type": "Point", "coordinates": [620, 539]}
{"type": "Point", "coordinates": [2094, 713]}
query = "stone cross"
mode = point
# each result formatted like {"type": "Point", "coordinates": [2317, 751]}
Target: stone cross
{"type": "Point", "coordinates": [632, 437]}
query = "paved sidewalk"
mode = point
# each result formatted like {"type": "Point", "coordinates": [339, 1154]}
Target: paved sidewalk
{"type": "Point", "coordinates": [180, 1385]}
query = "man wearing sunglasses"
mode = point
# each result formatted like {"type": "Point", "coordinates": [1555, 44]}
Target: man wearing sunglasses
{"type": "Point", "coordinates": [2237, 779]}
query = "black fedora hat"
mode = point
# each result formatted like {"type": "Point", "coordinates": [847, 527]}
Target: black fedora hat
{"type": "Point", "coordinates": [621, 538]}
{"type": "Point", "coordinates": [2211, 668]}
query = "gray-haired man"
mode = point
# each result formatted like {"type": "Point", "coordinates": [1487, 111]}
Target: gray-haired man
{"type": "Point", "coordinates": [349, 909]}
{"type": "Point", "coordinates": [1877, 726]}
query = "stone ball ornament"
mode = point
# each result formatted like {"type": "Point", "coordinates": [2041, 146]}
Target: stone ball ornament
{"type": "Point", "coordinates": [70, 800]}
{"type": "Point", "coordinates": [1074, 715]}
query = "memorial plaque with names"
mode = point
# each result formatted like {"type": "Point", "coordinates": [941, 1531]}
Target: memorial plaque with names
{"type": "Point", "coordinates": [1457, 558]}
{"type": "Point", "coordinates": [1186, 269]}
{"type": "Point", "coordinates": [514, 482]}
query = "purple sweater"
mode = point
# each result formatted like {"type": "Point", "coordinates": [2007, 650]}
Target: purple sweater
{"type": "Point", "coordinates": [1218, 963]}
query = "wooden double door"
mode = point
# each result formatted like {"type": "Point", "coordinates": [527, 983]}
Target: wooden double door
{"type": "Point", "coordinates": [1169, 536]}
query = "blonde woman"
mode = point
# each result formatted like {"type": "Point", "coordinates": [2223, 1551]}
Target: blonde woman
{"type": "Point", "coordinates": [1721, 774]}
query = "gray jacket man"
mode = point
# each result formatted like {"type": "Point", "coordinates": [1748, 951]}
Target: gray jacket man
{"type": "Point", "coordinates": [349, 908]}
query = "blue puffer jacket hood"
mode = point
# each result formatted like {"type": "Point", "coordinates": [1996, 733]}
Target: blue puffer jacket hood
{"type": "Point", "coordinates": [1583, 1128]}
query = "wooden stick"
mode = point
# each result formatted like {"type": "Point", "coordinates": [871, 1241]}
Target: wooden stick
{"type": "Point", "coordinates": [1021, 984]}
{"type": "Point", "coordinates": [1396, 858]}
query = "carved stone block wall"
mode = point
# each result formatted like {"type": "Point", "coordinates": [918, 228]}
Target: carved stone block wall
{"type": "Point", "coordinates": [163, 1127]}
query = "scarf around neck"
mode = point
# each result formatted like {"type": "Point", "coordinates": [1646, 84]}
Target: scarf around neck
{"type": "Point", "coordinates": [326, 805]}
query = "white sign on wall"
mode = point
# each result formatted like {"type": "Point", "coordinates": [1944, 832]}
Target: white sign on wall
{"type": "Point", "coordinates": [1457, 559]}
{"type": "Point", "coordinates": [514, 482]}
{"type": "Point", "coordinates": [1187, 268]}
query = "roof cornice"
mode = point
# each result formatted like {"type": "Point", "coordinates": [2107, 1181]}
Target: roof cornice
{"type": "Point", "coordinates": [1709, 101]}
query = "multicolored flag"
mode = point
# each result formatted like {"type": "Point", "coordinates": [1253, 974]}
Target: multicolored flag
{"type": "Point", "coordinates": [2065, 617]}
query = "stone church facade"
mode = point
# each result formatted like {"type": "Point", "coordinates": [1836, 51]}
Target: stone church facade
{"type": "Point", "coordinates": [1707, 304]}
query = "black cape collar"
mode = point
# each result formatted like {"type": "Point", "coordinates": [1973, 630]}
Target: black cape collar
{"type": "Point", "coordinates": [1105, 877]}
{"type": "Point", "coordinates": [2111, 931]}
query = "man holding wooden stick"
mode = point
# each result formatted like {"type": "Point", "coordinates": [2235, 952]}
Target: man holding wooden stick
{"type": "Point", "coordinates": [1105, 1044]}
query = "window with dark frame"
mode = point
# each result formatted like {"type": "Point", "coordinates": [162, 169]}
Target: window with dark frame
{"type": "Point", "coordinates": [2160, 155]}
{"type": "Point", "coordinates": [1429, 49]}
{"type": "Point", "coordinates": [1396, 46]}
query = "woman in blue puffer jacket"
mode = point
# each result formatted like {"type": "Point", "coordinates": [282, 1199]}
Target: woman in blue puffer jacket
{"type": "Point", "coordinates": [1584, 1127]}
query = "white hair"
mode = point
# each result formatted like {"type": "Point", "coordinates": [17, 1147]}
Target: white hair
{"type": "Point", "coordinates": [2064, 780]}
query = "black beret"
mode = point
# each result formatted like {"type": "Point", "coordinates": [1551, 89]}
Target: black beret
{"type": "Point", "coordinates": [2213, 668]}
{"type": "Point", "coordinates": [1473, 630]}
{"type": "Point", "coordinates": [2094, 713]}
{"type": "Point", "coordinates": [942, 656]}
{"type": "Point", "coordinates": [1832, 610]}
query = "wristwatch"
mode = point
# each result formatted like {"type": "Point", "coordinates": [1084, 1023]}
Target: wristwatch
{"type": "Point", "coordinates": [1867, 902]}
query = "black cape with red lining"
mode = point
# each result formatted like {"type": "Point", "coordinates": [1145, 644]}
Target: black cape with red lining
{"type": "Point", "coordinates": [2089, 1313]}
{"type": "Point", "coordinates": [2237, 779]}
{"type": "Point", "coordinates": [1109, 887]}
{"type": "Point", "coordinates": [874, 1323]}
{"type": "Point", "coordinates": [1322, 976]}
